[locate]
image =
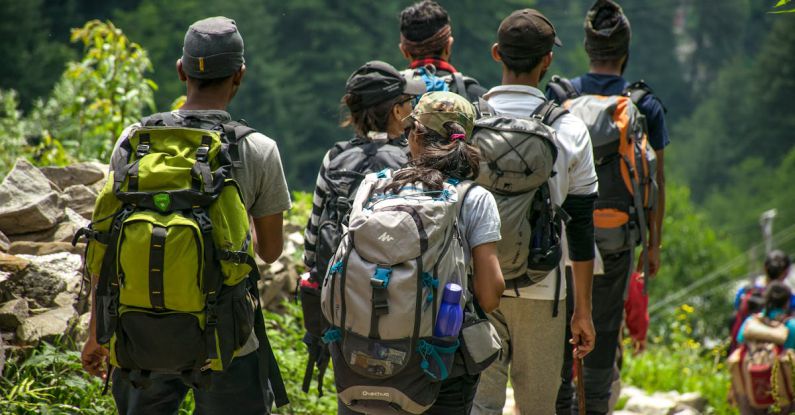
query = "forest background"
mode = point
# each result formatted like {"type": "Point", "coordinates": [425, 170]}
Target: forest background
{"type": "Point", "coordinates": [725, 70]}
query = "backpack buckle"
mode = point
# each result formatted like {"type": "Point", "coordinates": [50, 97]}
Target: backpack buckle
{"type": "Point", "coordinates": [142, 150]}
{"type": "Point", "coordinates": [202, 154]}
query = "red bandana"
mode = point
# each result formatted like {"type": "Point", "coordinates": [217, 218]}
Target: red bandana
{"type": "Point", "coordinates": [436, 62]}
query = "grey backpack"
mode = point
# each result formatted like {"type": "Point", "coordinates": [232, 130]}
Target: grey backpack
{"type": "Point", "coordinates": [626, 164]}
{"type": "Point", "coordinates": [382, 294]}
{"type": "Point", "coordinates": [517, 159]}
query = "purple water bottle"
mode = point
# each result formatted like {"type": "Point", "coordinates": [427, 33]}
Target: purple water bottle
{"type": "Point", "coordinates": [448, 322]}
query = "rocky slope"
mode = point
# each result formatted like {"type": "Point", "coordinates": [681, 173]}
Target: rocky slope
{"type": "Point", "coordinates": [42, 293]}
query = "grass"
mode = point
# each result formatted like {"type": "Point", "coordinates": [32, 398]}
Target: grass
{"type": "Point", "coordinates": [675, 361]}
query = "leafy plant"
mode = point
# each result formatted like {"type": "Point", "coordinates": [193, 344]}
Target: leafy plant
{"type": "Point", "coordinates": [675, 361]}
{"type": "Point", "coordinates": [51, 381]}
{"type": "Point", "coordinates": [779, 7]}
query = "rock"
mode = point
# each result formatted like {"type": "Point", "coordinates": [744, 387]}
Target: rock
{"type": "Point", "coordinates": [685, 410]}
{"type": "Point", "coordinates": [692, 400]}
{"type": "Point", "coordinates": [79, 330]}
{"type": "Point", "coordinates": [44, 278]}
{"type": "Point", "coordinates": [77, 174]}
{"type": "Point", "coordinates": [65, 299]}
{"type": "Point", "coordinates": [45, 248]}
{"type": "Point", "coordinates": [5, 244]}
{"type": "Point", "coordinates": [80, 198]}
{"type": "Point", "coordinates": [13, 264]}
{"type": "Point", "coordinates": [63, 232]}
{"type": "Point", "coordinates": [649, 405]}
{"type": "Point", "coordinates": [46, 326]}
{"type": "Point", "coordinates": [296, 238]}
{"type": "Point", "coordinates": [271, 290]}
{"type": "Point", "coordinates": [27, 202]}
{"type": "Point", "coordinates": [13, 313]}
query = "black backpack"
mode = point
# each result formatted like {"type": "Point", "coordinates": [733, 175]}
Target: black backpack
{"type": "Point", "coordinates": [349, 162]}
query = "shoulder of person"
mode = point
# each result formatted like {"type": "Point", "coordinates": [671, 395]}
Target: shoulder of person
{"type": "Point", "coordinates": [259, 143]}
{"type": "Point", "coordinates": [571, 126]}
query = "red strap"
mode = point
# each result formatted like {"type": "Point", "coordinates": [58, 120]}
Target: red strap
{"type": "Point", "coordinates": [436, 62]}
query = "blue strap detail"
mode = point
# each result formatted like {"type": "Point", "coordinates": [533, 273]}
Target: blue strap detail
{"type": "Point", "coordinates": [381, 277]}
{"type": "Point", "coordinates": [426, 350]}
{"type": "Point", "coordinates": [432, 82]}
{"type": "Point", "coordinates": [453, 181]}
{"type": "Point", "coordinates": [429, 281]}
{"type": "Point", "coordinates": [336, 267]}
{"type": "Point", "coordinates": [332, 335]}
{"type": "Point", "coordinates": [382, 174]}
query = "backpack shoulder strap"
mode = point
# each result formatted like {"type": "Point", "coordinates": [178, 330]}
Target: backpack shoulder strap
{"type": "Point", "coordinates": [549, 112]}
{"type": "Point", "coordinates": [562, 89]}
{"type": "Point", "coordinates": [638, 90]}
{"type": "Point", "coordinates": [342, 146]}
{"type": "Point", "coordinates": [463, 187]}
{"type": "Point", "coordinates": [234, 131]}
{"type": "Point", "coordinates": [460, 85]}
{"type": "Point", "coordinates": [483, 109]}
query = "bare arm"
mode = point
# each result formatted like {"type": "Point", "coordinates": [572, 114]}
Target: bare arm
{"type": "Point", "coordinates": [582, 329]}
{"type": "Point", "coordinates": [93, 357]}
{"type": "Point", "coordinates": [488, 281]}
{"type": "Point", "coordinates": [268, 237]}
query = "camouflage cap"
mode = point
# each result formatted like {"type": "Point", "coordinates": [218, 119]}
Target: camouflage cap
{"type": "Point", "coordinates": [435, 109]}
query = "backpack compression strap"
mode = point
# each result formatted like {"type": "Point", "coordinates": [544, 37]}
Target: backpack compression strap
{"type": "Point", "coordinates": [562, 88]}
{"type": "Point", "coordinates": [460, 86]}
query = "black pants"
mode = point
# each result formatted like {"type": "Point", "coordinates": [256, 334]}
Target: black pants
{"type": "Point", "coordinates": [609, 291]}
{"type": "Point", "coordinates": [455, 397]}
{"type": "Point", "coordinates": [234, 391]}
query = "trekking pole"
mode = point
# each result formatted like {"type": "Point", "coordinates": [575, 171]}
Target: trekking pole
{"type": "Point", "coordinates": [580, 386]}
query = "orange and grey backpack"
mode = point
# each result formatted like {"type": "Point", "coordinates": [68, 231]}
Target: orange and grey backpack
{"type": "Point", "coordinates": [626, 164]}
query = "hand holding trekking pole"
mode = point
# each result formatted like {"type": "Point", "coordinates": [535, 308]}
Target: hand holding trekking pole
{"type": "Point", "coordinates": [583, 334]}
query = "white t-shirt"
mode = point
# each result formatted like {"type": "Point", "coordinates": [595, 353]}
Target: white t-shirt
{"type": "Point", "coordinates": [574, 167]}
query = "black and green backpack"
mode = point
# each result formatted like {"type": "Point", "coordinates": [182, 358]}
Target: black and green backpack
{"type": "Point", "coordinates": [171, 244]}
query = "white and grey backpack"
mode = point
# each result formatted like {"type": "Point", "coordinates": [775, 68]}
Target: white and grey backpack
{"type": "Point", "coordinates": [517, 159]}
{"type": "Point", "coordinates": [383, 291]}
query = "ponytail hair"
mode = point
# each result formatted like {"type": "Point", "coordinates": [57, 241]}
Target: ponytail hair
{"type": "Point", "coordinates": [442, 157]}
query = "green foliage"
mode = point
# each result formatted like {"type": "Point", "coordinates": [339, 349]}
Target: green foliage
{"type": "Point", "coordinates": [89, 106]}
{"type": "Point", "coordinates": [779, 7]}
{"type": "Point", "coordinates": [302, 208]}
{"type": "Point", "coordinates": [51, 381]}
{"type": "Point", "coordinates": [100, 95]}
{"type": "Point", "coordinates": [697, 261]}
{"type": "Point", "coordinates": [292, 356]}
{"type": "Point", "coordinates": [675, 361]}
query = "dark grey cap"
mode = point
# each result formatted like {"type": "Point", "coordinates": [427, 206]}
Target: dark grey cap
{"type": "Point", "coordinates": [213, 49]}
{"type": "Point", "coordinates": [378, 81]}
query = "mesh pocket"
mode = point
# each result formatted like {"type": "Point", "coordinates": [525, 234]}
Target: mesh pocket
{"type": "Point", "coordinates": [438, 354]}
{"type": "Point", "coordinates": [375, 358]}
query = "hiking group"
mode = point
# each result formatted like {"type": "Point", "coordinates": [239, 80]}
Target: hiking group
{"type": "Point", "coordinates": [464, 237]}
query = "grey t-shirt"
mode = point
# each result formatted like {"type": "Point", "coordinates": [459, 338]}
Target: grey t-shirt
{"type": "Point", "coordinates": [261, 178]}
{"type": "Point", "coordinates": [480, 220]}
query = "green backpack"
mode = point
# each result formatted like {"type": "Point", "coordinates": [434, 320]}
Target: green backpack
{"type": "Point", "coordinates": [171, 244]}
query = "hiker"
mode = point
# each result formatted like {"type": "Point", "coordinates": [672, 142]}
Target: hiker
{"type": "Point", "coordinates": [530, 317]}
{"type": "Point", "coordinates": [619, 209]}
{"type": "Point", "coordinates": [762, 366]}
{"type": "Point", "coordinates": [378, 99]}
{"type": "Point", "coordinates": [426, 41]}
{"type": "Point", "coordinates": [750, 297]}
{"type": "Point", "coordinates": [207, 221]}
{"type": "Point", "coordinates": [405, 336]}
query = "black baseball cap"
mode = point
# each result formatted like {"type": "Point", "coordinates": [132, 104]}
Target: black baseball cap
{"type": "Point", "coordinates": [525, 33]}
{"type": "Point", "coordinates": [213, 48]}
{"type": "Point", "coordinates": [378, 81]}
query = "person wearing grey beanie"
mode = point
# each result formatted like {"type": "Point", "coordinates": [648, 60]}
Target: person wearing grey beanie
{"type": "Point", "coordinates": [212, 66]}
{"type": "Point", "coordinates": [607, 42]}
